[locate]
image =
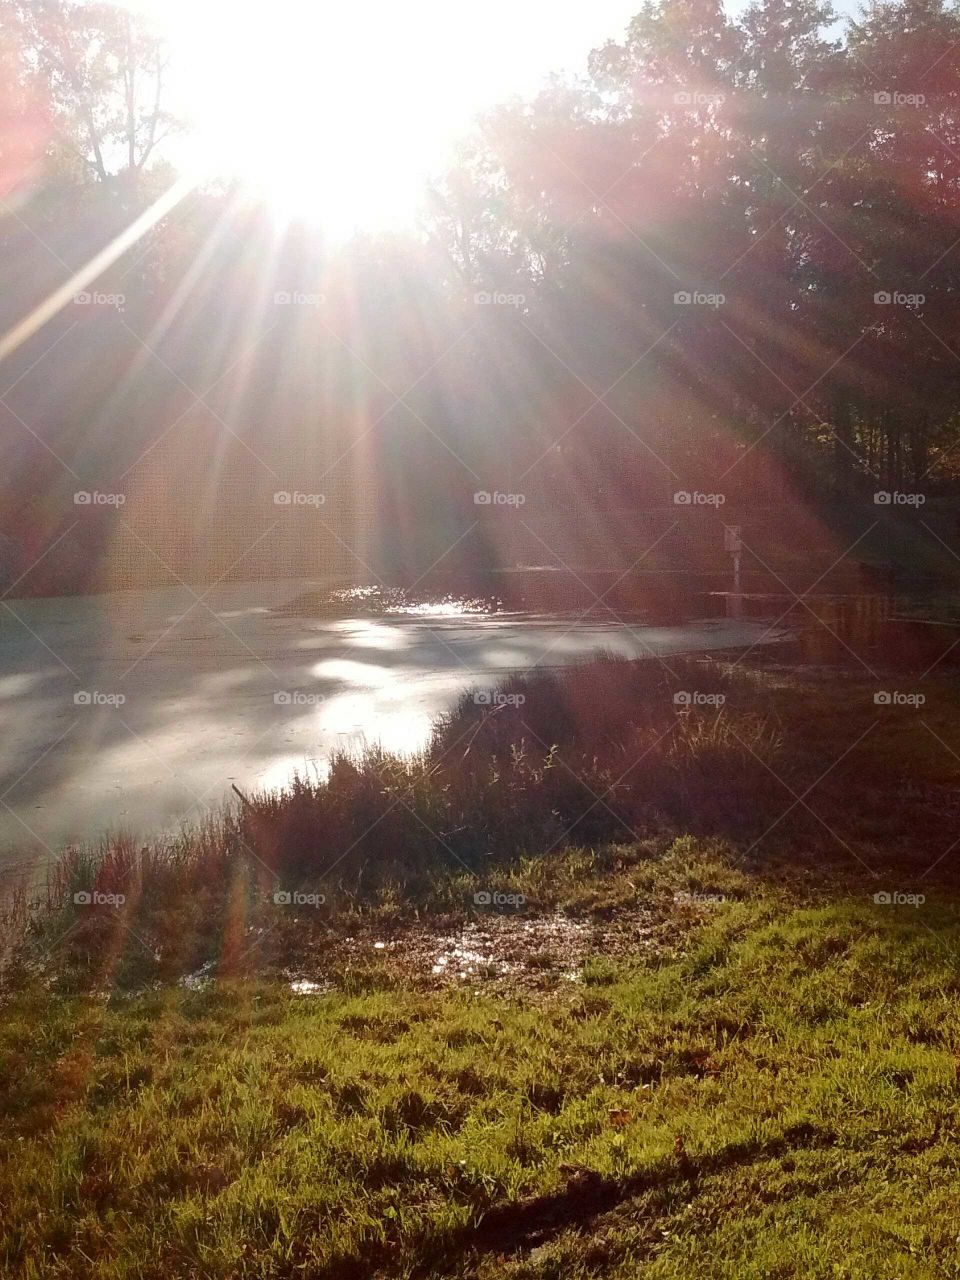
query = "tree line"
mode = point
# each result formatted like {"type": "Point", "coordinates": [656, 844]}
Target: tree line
{"type": "Point", "coordinates": [725, 255]}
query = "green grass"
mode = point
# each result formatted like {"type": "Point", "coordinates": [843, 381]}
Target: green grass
{"type": "Point", "coordinates": [745, 1067]}
{"type": "Point", "coordinates": [778, 1099]}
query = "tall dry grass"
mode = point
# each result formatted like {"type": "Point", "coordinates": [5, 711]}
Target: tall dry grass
{"type": "Point", "coordinates": [582, 756]}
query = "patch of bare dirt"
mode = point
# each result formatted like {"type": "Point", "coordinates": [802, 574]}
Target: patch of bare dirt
{"type": "Point", "coordinates": [510, 952]}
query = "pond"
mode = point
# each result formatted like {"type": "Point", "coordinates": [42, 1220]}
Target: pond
{"type": "Point", "coordinates": [138, 710]}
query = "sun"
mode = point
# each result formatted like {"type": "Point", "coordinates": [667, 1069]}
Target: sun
{"type": "Point", "coordinates": [340, 114]}
{"type": "Point", "coordinates": [341, 182]}
{"type": "Point", "coordinates": [336, 115]}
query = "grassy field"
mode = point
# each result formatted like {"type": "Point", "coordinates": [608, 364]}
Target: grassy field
{"type": "Point", "coordinates": [721, 1056]}
{"type": "Point", "coordinates": [778, 1099]}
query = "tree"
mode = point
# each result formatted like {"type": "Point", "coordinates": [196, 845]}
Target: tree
{"type": "Point", "coordinates": [103, 69]}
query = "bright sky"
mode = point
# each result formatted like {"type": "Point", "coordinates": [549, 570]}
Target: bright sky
{"type": "Point", "coordinates": [340, 109]}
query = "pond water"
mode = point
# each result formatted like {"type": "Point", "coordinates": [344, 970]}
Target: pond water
{"type": "Point", "coordinates": [137, 710]}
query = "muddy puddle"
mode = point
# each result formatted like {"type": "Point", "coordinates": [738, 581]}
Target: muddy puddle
{"type": "Point", "coordinates": [507, 953]}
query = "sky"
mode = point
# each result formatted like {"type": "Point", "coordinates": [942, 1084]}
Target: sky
{"type": "Point", "coordinates": [342, 111]}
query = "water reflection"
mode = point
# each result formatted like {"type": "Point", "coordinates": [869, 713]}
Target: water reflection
{"type": "Point", "coordinates": [262, 679]}
{"type": "Point", "coordinates": [908, 633]}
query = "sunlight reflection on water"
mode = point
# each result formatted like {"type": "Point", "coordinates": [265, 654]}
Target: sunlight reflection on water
{"type": "Point", "coordinates": [246, 696]}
